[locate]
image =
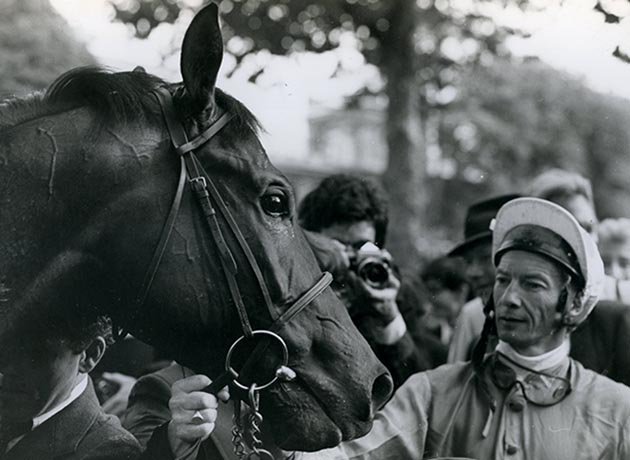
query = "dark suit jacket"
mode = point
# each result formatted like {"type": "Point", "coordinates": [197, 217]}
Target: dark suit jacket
{"type": "Point", "coordinates": [148, 414]}
{"type": "Point", "coordinates": [602, 342]}
{"type": "Point", "coordinates": [81, 431]}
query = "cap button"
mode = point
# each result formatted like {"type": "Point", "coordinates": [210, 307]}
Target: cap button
{"type": "Point", "coordinates": [511, 449]}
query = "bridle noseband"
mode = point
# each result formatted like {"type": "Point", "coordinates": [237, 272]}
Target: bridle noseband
{"type": "Point", "coordinates": [210, 201]}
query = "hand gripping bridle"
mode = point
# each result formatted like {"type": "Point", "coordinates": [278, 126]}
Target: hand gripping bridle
{"type": "Point", "coordinates": [210, 201]}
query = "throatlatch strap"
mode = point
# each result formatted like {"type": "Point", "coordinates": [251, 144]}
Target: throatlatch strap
{"type": "Point", "coordinates": [167, 229]}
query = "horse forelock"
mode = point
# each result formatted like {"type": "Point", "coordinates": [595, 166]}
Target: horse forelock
{"type": "Point", "coordinates": [116, 98]}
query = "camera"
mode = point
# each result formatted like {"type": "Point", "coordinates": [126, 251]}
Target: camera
{"type": "Point", "coordinates": [372, 265]}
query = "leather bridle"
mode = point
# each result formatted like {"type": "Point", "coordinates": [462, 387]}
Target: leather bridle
{"type": "Point", "coordinates": [210, 201]}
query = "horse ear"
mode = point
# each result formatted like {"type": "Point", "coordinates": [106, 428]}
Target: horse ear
{"type": "Point", "coordinates": [202, 52]}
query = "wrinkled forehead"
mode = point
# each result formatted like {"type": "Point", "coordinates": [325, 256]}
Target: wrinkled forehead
{"type": "Point", "coordinates": [530, 264]}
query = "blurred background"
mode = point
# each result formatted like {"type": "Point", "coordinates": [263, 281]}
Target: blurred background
{"type": "Point", "coordinates": [445, 101]}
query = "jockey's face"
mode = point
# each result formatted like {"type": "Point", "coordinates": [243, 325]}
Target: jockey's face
{"type": "Point", "coordinates": [526, 294]}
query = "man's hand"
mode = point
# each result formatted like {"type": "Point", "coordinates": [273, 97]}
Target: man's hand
{"type": "Point", "coordinates": [193, 413]}
{"type": "Point", "coordinates": [375, 311]}
{"type": "Point", "coordinates": [370, 301]}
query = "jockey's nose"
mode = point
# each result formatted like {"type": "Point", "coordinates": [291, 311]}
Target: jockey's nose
{"type": "Point", "coordinates": [510, 297]}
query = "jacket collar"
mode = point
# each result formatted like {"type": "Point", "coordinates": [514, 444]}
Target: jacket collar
{"type": "Point", "coordinates": [62, 433]}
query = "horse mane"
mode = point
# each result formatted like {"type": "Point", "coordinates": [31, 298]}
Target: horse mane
{"type": "Point", "coordinates": [120, 97]}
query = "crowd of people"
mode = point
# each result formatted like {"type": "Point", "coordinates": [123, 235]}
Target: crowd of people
{"type": "Point", "coordinates": [512, 345]}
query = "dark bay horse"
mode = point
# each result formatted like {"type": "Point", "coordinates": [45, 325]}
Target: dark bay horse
{"type": "Point", "coordinates": [87, 178]}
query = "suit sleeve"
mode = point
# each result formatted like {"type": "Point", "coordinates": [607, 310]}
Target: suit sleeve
{"type": "Point", "coordinates": [148, 415]}
{"type": "Point", "coordinates": [148, 407]}
{"type": "Point", "coordinates": [116, 448]}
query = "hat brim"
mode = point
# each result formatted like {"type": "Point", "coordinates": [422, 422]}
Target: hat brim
{"type": "Point", "coordinates": [468, 244]}
{"type": "Point", "coordinates": [530, 211]}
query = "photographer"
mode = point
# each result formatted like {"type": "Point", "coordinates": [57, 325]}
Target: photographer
{"type": "Point", "coordinates": [348, 218]}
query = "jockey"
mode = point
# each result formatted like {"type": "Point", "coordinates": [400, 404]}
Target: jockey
{"type": "Point", "coordinates": [527, 398]}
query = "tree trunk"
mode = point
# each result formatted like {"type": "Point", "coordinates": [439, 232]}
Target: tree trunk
{"type": "Point", "coordinates": [404, 179]}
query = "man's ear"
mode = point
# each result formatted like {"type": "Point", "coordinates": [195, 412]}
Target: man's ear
{"type": "Point", "coordinates": [573, 310]}
{"type": "Point", "coordinates": [92, 355]}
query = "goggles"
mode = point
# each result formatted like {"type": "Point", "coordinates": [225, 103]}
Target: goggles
{"type": "Point", "coordinates": [538, 388]}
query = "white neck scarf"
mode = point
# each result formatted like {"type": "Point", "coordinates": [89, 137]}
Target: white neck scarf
{"type": "Point", "coordinates": [540, 363]}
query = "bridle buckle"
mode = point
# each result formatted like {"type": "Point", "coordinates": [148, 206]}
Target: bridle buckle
{"type": "Point", "coordinates": [198, 183]}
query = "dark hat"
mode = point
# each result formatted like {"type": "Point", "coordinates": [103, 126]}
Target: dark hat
{"type": "Point", "coordinates": [477, 224]}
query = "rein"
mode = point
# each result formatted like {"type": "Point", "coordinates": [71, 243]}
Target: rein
{"type": "Point", "coordinates": [210, 200]}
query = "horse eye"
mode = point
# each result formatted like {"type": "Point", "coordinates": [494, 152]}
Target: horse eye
{"type": "Point", "coordinates": [275, 203]}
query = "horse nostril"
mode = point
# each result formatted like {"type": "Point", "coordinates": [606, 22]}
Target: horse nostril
{"type": "Point", "coordinates": [381, 391]}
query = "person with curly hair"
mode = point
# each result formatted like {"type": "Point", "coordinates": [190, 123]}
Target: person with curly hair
{"type": "Point", "coordinates": [346, 221]}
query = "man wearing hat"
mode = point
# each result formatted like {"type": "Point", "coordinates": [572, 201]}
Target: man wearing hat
{"type": "Point", "coordinates": [527, 399]}
{"type": "Point", "coordinates": [476, 251]}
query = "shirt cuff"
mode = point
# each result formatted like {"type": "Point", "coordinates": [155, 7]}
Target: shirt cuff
{"type": "Point", "coordinates": [391, 333]}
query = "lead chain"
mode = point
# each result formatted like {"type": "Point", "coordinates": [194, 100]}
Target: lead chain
{"type": "Point", "coordinates": [255, 420]}
{"type": "Point", "coordinates": [237, 432]}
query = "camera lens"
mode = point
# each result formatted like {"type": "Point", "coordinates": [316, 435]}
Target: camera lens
{"type": "Point", "coordinates": [375, 274]}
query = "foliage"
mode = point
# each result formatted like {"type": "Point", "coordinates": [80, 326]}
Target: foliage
{"type": "Point", "coordinates": [35, 46]}
{"type": "Point", "coordinates": [513, 120]}
{"type": "Point", "coordinates": [444, 34]}
{"type": "Point", "coordinates": [614, 12]}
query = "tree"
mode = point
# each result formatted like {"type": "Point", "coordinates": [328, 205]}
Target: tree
{"type": "Point", "coordinates": [614, 12]}
{"type": "Point", "coordinates": [35, 46]}
{"type": "Point", "coordinates": [512, 120]}
{"type": "Point", "coordinates": [419, 46]}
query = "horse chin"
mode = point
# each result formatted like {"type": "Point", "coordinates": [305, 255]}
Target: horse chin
{"type": "Point", "coordinates": [300, 422]}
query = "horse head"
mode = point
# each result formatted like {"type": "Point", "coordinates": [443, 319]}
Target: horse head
{"type": "Point", "coordinates": [98, 216]}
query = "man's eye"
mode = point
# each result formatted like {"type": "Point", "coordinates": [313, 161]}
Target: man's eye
{"type": "Point", "coordinates": [533, 285]}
